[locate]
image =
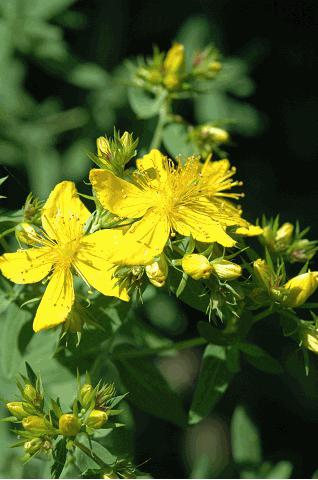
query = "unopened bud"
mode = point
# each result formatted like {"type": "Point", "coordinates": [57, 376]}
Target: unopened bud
{"type": "Point", "coordinates": [33, 446]}
{"type": "Point", "coordinates": [215, 67]}
{"type": "Point", "coordinates": [16, 409]}
{"type": "Point", "coordinates": [174, 58]}
{"type": "Point", "coordinates": [34, 423]}
{"type": "Point", "coordinates": [126, 139]}
{"type": "Point", "coordinates": [103, 147]}
{"type": "Point", "coordinates": [216, 134]}
{"type": "Point", "coordinates": [31, 394]}
{"type": "Point", "coordinates": [69, 425]}
{"type": "Point", "coordinates": [196, 266]}
{"type": "Point", "coordinates": [96, 419]}
{"type": "Point", "coordinates": [300, 288]}
{"type": "Point", "coordinates": [157, 272]}
{"type": "Point", "coordinates": [86, 394]}
{"type": "Point", "coordinates": [309, 338]}
{"type": "Point", "coordinates": [283, 236]}
{"type": "Point", "coordinates": [262, 272]}
{"type": "Point", "coordinates": [227, 270]}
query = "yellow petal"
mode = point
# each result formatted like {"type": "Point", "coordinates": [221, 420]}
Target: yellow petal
{"type": "Point", "coordinates": [64, 214]}
{"type": "Point", "coordinates": [26, 266]}
{"type": "Point", "coordinates": [118, 196]}
{"type": "Point", "coordinates": [93, 265]}
{"type": "Point", "coordinates": [250, 231]}
{"type": "Point", "coordinates": [56, 302]}
{"type": "Point", "coordinates": [144, 240]}
{"type": "Point", "coordinates": [153, 164]}
{"type": "Point", "coordinates": [216, 169]}
{"type": "Point", "coordinates": [201, 226]}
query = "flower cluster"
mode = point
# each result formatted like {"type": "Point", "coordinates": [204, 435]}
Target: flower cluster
{"type": "Point", "coordinates": [168, 71]}
{"type": "Point", "coordinates": [43, 421]}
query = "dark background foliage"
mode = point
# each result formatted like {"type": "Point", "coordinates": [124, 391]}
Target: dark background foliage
{"type": "Point", "coordinates": [277, 166]}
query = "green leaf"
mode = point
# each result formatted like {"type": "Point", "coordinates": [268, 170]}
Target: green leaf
{"type": "Point", "coordinates": [176, 140]}
{"type": "Point", "coordinates": [246, 446]}
{"type": "Point", "coordinates": [89, 75]}
{"type": "Point", "coordinates": [59, 456]}
{"type": "Point", "coordinates": [282, 469]}
{"type": "Point", "coordinates": [214, 335]}
{"type": "Point", "coordinates": [10, 357]}
{"type": "Point", "coordinates": [260, 359]}
{"type": "Point", "coordinates": [214, 378]}
{"type": "Point", "coordinates": [143, 104]}
{"type": "Point", "coordinates": [148, 389]}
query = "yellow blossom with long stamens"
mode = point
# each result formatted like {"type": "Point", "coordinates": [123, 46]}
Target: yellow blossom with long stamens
{"type": "Point", "coordinates": [167, 198]}
{"type": "Point", "coordinates": [57, 250]}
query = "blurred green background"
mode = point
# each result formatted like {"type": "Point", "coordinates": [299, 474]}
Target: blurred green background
{"type": "Point", "coordinates": [63, 83]}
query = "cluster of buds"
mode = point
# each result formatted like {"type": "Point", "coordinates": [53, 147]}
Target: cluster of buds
{"type": "Point", "coordinates": [168, 70]}
{"type": "Point", "coordinates": [288, 241]}
{"type": "Point", "coordinates": [198, 267]}
{"type": "Point", "coordinates": [293, 293]}
{"type": "Point", "coordinates": [207, 138]}
{"type": "Point", "coordinates": [114, 153]}
{"type": "Point", "coordinates": [41, 426]}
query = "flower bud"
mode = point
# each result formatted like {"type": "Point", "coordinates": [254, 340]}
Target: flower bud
{"type": "Point", "coordinates": [33, 446]}
{"type": "Point", "coordinates": [309, 338]}
{"type": "Point", "coordinates": [174, 58]}
{"type": "Point", "coordinates": [283, 236]}
{"type": "Point", "coordinates": [157, 272]}
{"type": "Point", "coordinates": [196, 266]}
{"type": "Point", "coordinates": [103, 147]}
{"type": "Point", "coordinates": [227, 270]}
{"type": "Point", "coordinates": [96, 419]}
{"type": "Point", "coordinates": [262, 272]}
{"type": "Point", "coordinates": [69, 425]}
{"type": "Point", "coordinates": [300, 288]}
{"type": "Point", "coordinates": [34, 423]}
{"type": "Point", "coordinates": [16, 409]}
{"type": "Point", "coordinates": [216, 134]}
{"type": "Point", "coordinates": [86, 394]}
{"type": "Point", "coordinates": [30, 393]}
{"type": "Point", "coordinates": [215, 67]}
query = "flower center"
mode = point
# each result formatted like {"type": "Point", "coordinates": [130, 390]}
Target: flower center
{"type": "Point", "coordinates": [65, 253]}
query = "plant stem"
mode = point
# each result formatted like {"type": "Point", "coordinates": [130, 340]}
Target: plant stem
{"type": "Point", "coordinates": [90, 454]}
{"type": "Point", "coordinates": [162, 117]}
{"type": "Point", "coordinates": [6, 232]}
{"type": "Point", "coordinates": [193, 342]}
{"type": "Point", "coordinates": [263, 314]}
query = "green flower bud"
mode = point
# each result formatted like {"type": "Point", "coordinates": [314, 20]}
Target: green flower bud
{"type": "Point", "coordinates": [216, 134]}
{"type": "Point", "coordinates": [69, 425]}
{"type": "Point", "coordinates": [96, 419]}
{"type": "Point", "coordinates": [227, 270]}
{"type": "Point", "coordinates": [30, 393]}
{"type": "Point", "coordinates": [34, 423]}
{"type": "Point", "coordinates": [86, 394]}
{"type": "Point", "coordinates": [16, 409]}
{"type": "Point", "coordinates": [300, 288]}
{"type": "Point", "coordinates": [283, 237]}
{"type": "Point", "coordinates": [103, 147]}
{"type": "Point", "coordinates": [33, 446]}
{"type": "Point", "coordinates": [196, 266]}
{"type": "Point", "coordinates": [25, 233]}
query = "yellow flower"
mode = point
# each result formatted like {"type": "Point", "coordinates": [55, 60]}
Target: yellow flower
{"type": "Point", "coordinates": [300, 288]}
{"type": "Point", "coordinates": [60, 248]}
{"type": "Point", "coordinates": [196, 266]}
{"type": "Point", "coordinates": [166, 198]}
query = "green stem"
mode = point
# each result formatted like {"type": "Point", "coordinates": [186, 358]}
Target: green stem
{"type": "Point", "coordinates": [193, 342]}
{"type": "Point", "coordinates": [162, 117]}
{"type": "Point", "coordinates": [264, 314]}
{"type": "Point", "coordinates": [6, 232]}
{"type": "Point", "coordinates": [90, 454]}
